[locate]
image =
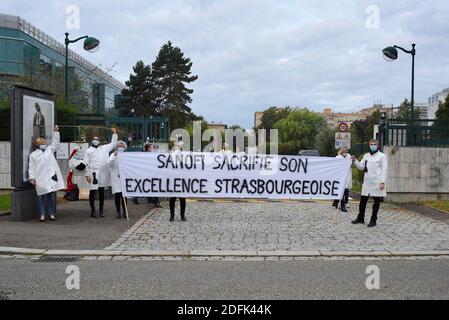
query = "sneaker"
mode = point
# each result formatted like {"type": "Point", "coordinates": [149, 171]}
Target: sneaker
{"type": "Point", "coordinates": [52, 218]}
{"type": "Point", "coordinates": [42, 219]}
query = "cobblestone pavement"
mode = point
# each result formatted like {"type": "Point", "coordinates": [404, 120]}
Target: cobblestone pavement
{"type": "Point", "coordinates": [291, 225]}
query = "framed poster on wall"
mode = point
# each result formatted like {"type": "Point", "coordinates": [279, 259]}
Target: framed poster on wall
{"type": "Point", "coordinates": [32, 117]}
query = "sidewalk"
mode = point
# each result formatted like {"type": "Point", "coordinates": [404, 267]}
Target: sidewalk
{"type": "Point", "coordinates": [73, 229]}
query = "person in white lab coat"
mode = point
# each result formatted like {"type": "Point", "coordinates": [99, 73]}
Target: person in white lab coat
{"type": "Point", "coordinates": [375, 166]}
{"type": "Point", "coordinates": [97, 173]}
{"type": "Point", "coordinates": [115, 179]}
{"type": "Point", "coordinates": [344, 154]}
{"type": "Point", "coordinates": [45, 175]}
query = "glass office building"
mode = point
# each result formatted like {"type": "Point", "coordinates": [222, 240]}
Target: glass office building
{"type": "Point", "coordinates": [26, 51]}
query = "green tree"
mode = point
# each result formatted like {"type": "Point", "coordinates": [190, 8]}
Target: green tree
{"type": "Point", "coordinates": [325, 141]}
{"type": "Point", "coordinates": [358, 131]}
{"type": "Point", "coordinates": [299, 129]}
{"type": "Point", "coordinates": [142, 96]}
{"type": "Point", "coordinates": [442, 114]}
{"type": "Point", "coordinates": [5, 122]}
{"type": "Point", "coordinates": [371, 121]}
{"type": "Point", "coordinates": [405, 111]}
{"type": "Point", "coordinates": [171, 73]}
{"type": "Point", "coordinates": [272, 115]}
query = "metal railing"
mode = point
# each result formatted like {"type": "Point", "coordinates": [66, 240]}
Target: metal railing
{"type": "Point", "coordinates": [134, 131]}
{"type": "Point", "coordinates": [422, 133]}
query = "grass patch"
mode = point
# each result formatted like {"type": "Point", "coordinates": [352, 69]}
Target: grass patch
{"type": "Point", "coordinates": [440, 205]}
{"type": "Point", "coordinates": [5, 202]}
{"type": "Point", "coordinates": [356, 187]}
{"type": "Point", "coordinates": [357, 180]}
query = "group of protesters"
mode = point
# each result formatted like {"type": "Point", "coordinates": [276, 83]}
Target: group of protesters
{"type": "Point", "coordinates": [100, 169]}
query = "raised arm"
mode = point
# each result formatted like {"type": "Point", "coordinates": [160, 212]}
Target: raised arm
{"type": "Point", "coordinates": [111, 146]}
{"type": "Point", "coordinates": [55, 140]}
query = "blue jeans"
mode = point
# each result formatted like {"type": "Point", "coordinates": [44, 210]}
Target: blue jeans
{"type": "Point", "coordinates": [51, 201]}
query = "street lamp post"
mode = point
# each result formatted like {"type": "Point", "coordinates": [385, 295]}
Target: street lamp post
{"type": "Point", "coordinates": [91, 44]}
{"type": "Point", "coordinates": [391, 54]}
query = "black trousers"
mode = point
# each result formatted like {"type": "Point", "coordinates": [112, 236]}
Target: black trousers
{"type": "Point", "coordinates": [120, 200]}
{"type": "Point", "coordinates": [92, 194]}
{"type": "Point", "coordinates": [362, 207]}
{"type": "Point", "coordinates": [344, 200]}
{"type": "Point", "coordinates": [173, 204]}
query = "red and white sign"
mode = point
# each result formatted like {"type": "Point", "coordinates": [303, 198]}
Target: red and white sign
{"type": "Point", "coordinates": [343, 127]}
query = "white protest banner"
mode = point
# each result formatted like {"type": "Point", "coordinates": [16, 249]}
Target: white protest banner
{"type": "Point", "coordinates": [220, 175]}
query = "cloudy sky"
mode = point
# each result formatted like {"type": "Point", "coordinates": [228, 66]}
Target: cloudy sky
{"type": "Point", "coordinates": [252, 54]}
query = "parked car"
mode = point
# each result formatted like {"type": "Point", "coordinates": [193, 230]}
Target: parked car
{"type": "Point", "coordinates": [309, 153]}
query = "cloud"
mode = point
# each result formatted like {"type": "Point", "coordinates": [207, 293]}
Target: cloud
{"type": "Point", "coordinates": [251, 54]}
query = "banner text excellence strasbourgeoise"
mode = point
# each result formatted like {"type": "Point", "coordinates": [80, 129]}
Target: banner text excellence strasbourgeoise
{"type": "Point", "coordinates": [228, 175]}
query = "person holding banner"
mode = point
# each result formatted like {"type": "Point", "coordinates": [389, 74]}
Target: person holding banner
{"type": "Point", "coordinates": [375, 166]}
{"type": "Point", "coordinates": [177, 150]}
{"type": "Point", "coordinates": [97, 173]}
{"type": "Point", "coordinates": [45, 175]}
{"type": "Point", "coordinates": [115, 179]}
{"type": "Point", "coordinates": [344, 154]}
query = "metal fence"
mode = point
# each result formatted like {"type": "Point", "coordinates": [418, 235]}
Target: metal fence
{"type": "Point", "coordinates": [420, 133]}
{"type": "Point", "coordinates": [134, 131]}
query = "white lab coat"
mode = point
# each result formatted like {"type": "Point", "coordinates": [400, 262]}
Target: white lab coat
{"type": "Point", "coordinates": [114, 173]}
{"type": "Point", "coordinates": [97, 161]}
{"type": "Point", "coordinates": [349, 181]}
{"type": "Point", "coordinates": [377, 165]}
{"type": "Point", "coordinates": [42, 166]}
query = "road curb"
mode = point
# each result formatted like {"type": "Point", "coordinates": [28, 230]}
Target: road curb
{"type": "Point", "coordinates": [436, 209]}
{"type": "Point", "coordinates": [218, 253]}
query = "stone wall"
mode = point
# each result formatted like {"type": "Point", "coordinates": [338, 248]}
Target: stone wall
{"type": "Point", "coordinates": [417, 174]}
{"type": "Point", "coordinates": [5, 165]}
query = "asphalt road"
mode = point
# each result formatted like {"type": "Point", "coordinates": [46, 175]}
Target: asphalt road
{"type": "Point", "coordinates": [311, 279]}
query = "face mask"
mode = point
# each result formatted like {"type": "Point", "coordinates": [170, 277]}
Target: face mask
{"type": "Point", "coordinates": [43, 147]}
{"type": "Point", "coordinates": [373, 148]}
{"type": "Point", "coordinates": [95, 143]}
{"type": "Point", "coordinates": [121, 149]}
